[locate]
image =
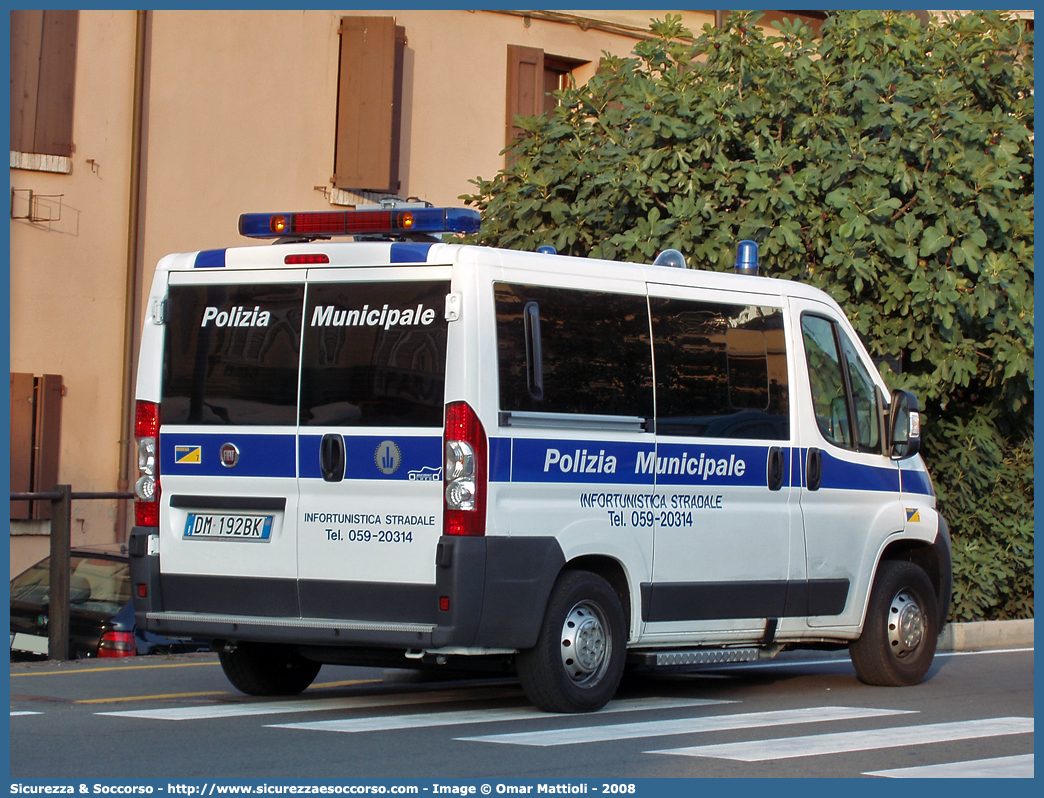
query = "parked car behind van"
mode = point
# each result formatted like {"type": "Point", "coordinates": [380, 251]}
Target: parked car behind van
{"type": "Point", "coordinates": [101, 614]}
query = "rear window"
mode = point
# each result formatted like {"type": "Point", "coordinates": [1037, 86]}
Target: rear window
{"type": "Point", "coordinates": [96, 584]}
{"type": "Point", "coordinates": [374, 354]}
{"type": "Point", "coordinates": [231, 354]}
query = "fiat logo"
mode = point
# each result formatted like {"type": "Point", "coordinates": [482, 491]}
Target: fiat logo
{"type": "Point", "coordinates": [229, 455]}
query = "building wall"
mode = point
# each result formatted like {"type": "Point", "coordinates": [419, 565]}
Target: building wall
{"type": "Point", "coordinates": [251, 96]}
{"type": "Point", "coordinates": [68, 277]}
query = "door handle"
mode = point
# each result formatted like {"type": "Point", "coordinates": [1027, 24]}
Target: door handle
{"type": "Point", "coordinates": [777, 467]}
{"type": "Point", "coordinates": [814, 469]}
{"type": "Point", "coordinates": [331, 457]}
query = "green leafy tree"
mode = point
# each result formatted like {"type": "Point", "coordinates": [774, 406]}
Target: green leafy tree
{"type": "Point", "coordinates": [889, 164]}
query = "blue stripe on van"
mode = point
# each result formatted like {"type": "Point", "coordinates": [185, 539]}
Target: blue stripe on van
{"type": "Point", "coordinates": [915, 481]}
{"type": "Point", "coordinates": [841, 474]}
{"type": "Point", "coordinates": [210, 259]}
{"type": "Point", "coordinates": [420, 458]}
{"type": "Point", "coordinates": [500, 459]}
{"type": "Point", "coordinates": [409, 253]}
{"type": "Point", "coordinates": [698, 464]}
{"type": "Point", "coordinates": [260, 455]}
{"type": "Point", "coordinates": [797, 467]}
{"type": "Point", "coordinates": [592, 461]}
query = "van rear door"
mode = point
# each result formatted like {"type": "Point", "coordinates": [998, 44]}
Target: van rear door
{"type": "Point", "coordinates": [372, 413]}
{"type": "Point", "coordinates": [228, 466]}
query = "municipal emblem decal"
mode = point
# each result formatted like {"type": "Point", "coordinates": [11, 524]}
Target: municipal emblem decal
{"type": "Point", "coordinates": [188, 454]}
{"type": "Point", "coordinates": [229, 455]}
{"type": "Point", "coordinates": [913, 516]}
{"type": "Point", "coordinates": [387, 457]}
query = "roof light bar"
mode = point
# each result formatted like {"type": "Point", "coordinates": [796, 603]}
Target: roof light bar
{"type": "Point", "coordinates": [355, 223]}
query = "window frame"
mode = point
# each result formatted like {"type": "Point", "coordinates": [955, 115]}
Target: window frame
{"type": "Point", "coordinates": [528, 71]}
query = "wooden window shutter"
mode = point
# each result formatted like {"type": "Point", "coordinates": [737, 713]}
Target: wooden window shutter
{"type": "Point", "coordinates": [26, 38]}
{"type": "Point", "coordinates": [48, 439]}
{"type": "Point", "coordinates": [36, 436]}
{"type": "Point", "coordinates": [43, 81]}
{"type": "Point", "coordinates": [21, 440]}
{"type": "Point", "coordinates": [369, 104]}
{"type": "Point", "coordinates": [525, 86]}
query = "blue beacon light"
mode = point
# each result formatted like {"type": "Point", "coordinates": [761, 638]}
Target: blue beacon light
{"type": "Point", "coordinates": [747, 258]}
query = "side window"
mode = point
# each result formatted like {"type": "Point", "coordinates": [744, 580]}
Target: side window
{"type": "Point", "coordinates": [864, 399]}
{"type": "Point", "coordinates": [374, 354]}
{"type": "Point", "coordinates": [721, 370]}
{"type": "Point", "coordinates": [843, 397]}
{"type": "Point", "coordinates": [829, 398]}
{"type": "Point", "coordinates": [567, 351]}
{"type": "Point", "coordinates": [231, 354]}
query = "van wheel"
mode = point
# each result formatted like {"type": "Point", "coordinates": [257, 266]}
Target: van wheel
{"type": "Point", "coordinates": [267, 669]}
{"type": "Point", "coordinates": [578, 660]}
{"type": "Point", "coordinates": [901, 630]}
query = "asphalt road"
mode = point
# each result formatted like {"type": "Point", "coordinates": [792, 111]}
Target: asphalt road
{"type": "Point", "coordinates": [800, 716]}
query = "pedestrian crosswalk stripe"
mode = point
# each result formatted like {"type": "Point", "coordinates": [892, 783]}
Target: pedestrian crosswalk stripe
{"type": "Point", "coordinates": [1002, 767]}
{"type": "Point", "coordinates": [429, 719]}
{"type": "Point", "coordinates": [844, 742]}
{"type": "Point", "coordinates": [664, 728]}
{"type": "Point", "coordinates": [250, 708]}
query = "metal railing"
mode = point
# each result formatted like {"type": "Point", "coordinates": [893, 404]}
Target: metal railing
{"type": "Point", "coordinates": [61, 499]}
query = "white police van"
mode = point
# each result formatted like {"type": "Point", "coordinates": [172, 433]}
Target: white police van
{"type": "Point", "coordinates": [399, 452]}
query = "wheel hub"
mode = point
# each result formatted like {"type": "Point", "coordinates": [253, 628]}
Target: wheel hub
{"type": "Point", "coordinates": [905, 624]}
{"type": "Point", "coordinates": [585, 645]}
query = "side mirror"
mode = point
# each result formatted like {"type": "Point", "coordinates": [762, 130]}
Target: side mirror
{"type": "Point", "coordinates": [905, 426]}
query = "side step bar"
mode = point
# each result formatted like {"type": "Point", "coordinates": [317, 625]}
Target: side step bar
{"type": "Point", "coordinates": [695, 656]}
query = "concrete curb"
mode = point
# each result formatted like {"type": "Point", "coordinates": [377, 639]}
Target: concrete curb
{"type": "Point", "coordinates": [984, 635]}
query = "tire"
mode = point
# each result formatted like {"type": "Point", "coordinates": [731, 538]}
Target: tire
{"type": "Point", "coordinates": [267, 669]}
{"type": "Point", "coordinates": [901, 629]}
{"type": "Point", "coordinates": [578, 660]}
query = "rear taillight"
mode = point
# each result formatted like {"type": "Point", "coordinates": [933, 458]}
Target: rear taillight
{"type": "Point", "coordinates": [465, 472]}
{"type": "Point", "coordinates": [117, 644]}
{"type": "Point", "coordinates": [147, 488]}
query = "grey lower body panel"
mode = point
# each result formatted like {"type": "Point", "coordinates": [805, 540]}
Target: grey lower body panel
{"type": "Point", "coordinates": [708, 601]}
{"type": "Point", "coordinates": [304, 631]}
{"type": "Point", "coordinates": [494, 590]}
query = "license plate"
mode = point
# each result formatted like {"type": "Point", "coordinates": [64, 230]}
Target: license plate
{"type": "Point", "coordinates": [228, 527]}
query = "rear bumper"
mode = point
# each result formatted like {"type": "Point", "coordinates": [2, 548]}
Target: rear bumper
{"type": "Point", "coordinates": [495, 589]}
